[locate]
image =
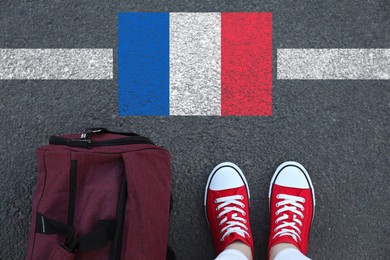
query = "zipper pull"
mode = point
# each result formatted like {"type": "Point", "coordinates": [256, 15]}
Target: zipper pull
{"type": "Point", "coordinates": [86, 134]}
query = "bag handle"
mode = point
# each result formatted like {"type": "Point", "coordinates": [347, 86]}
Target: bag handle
{"type": "Point", "coordinates": [85, 142]}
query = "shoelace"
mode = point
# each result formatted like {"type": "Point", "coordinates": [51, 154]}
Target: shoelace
{"type": "Point", "coordinates": [236, 224]}
{"type": "Point", "coordinates": [292, 204]}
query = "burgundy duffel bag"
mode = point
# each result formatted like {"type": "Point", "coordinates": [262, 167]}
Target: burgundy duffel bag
{"type": "Point", "coordinates": [101, 195]}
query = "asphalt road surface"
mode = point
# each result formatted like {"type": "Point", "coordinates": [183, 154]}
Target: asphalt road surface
{"type": "Point", "coordinates": [338, 129]}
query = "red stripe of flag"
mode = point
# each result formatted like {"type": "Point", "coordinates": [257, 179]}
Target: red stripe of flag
{"type": "Point", "coordinates": [246, 73]}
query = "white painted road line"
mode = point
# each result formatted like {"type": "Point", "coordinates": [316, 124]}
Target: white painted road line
{"type": "Point", "coordinates": [364, 64]}
{"type": "Point", "coordinates": [95, 64]}
{"type": "Point", "coordinates": [56, 64]}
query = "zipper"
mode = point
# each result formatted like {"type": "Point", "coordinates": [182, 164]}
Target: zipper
{"type": "Point", "coordinates": [122, 141]}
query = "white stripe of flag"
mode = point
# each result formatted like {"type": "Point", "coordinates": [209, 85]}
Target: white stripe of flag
{"type": "Point", "coordinates": [195, 64]}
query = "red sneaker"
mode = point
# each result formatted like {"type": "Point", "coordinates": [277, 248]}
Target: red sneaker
{"type": "Point", "coordinates": [292, 202]}
{"type": "Point", "coordinates": [227, 206]}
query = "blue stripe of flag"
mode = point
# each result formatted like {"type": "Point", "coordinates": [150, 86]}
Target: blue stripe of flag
{"type": "Point", "coordinates": [143, 64]}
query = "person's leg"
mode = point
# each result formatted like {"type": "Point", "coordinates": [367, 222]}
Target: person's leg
{"type": "Point", "coordinates": [292, 203]}
{"type": "Point", "coordinates": [285, 251]}
{"type": "Point", "coordinates": [227, 210]}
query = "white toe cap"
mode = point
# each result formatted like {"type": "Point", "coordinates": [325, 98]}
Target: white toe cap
{"type": "Point", "coordinates": [292, 175]}
{"type": "Point", "coordinates": [226, 176]}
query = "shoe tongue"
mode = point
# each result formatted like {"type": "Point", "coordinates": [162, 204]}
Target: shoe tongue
{"type": "Point", "coordinates": [237, 237]}
{"type": "Point", "coordinates": [231, 213]}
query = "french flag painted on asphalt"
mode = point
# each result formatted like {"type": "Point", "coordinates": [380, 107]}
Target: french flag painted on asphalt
{"type": "Point", "coordinates": [207, 64]}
